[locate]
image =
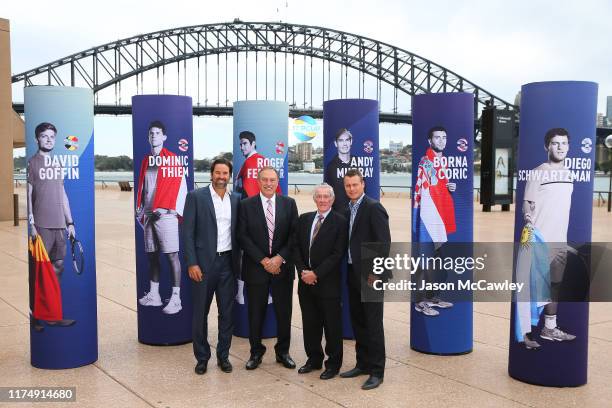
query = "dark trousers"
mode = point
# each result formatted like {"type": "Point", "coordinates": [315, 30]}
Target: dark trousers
{"type": "Point", "coordinates": [282, 297]}
{"type": "Point", "coordinates": [219, 281]}
{"type": "Point", "coordinates": [320, 314]}
{"type": "Point", "coordinates": [367, 321]}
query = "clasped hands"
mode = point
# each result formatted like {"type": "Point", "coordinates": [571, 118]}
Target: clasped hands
{"type": "Point", "coordinates": [272, 265]}
{"type": "Point", "coordinates": [308, 277]}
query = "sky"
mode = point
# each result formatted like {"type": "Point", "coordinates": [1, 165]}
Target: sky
{"type": "Point", "coordinates": [497, 45]}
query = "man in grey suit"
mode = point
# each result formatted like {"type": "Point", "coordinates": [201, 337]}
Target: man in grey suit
{"type": "Point", "coordinates": [212, 255]}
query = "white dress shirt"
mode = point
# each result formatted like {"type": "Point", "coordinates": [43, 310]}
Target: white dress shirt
{"type": "Point", "coordinates": [264, 204]}
{"type": "Point", "coordinates": [223, 214]}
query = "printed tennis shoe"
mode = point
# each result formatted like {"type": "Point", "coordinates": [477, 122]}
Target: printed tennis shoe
{"type": "Point", "coordinates": [150, 299]}
{"type": "Point", "coordinates": [437, 302]}
{"type": "Point", "coordinates": [174, 305]}
{"type": "Point", "coordinates": [556, 334]}
{"type": "Point", "coordinates": [424, 308]}
{"type": "Point", "coordinates": [530, 344]}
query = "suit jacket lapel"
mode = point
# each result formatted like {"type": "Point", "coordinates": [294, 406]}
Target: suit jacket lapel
{"type": "Point", "coordinates": [308, 231]}
{"type": "Point", "coordinates": [327, 223]}
{"type": "Point", "coordinates": [262, 217]}
{"type": "Point", "coordinates": [278, 214]}
{"type": "Point", "coordinates": [234, 203]}
{"type": "Point", "coordinates": [211, 207]}
{"type": "Point", "coordinates": [358, 215]}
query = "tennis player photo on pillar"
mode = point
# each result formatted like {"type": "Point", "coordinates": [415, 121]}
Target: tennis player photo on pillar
{"type": "Point", "coordinates": [434, 208]}
{"type": "Point", "coordinates": [162, 132]}
{"type": "Point", "coordinates": [260, 138]}
{"type": "Point", "coordinates": [552, 257]}
{"type": "Point", "coordinates": [162, 189]}
{"type": "Point", "coordinates": [350, 133]}
{"type": "Point", "coordinates": [61, 226]}
{"type": "Point", "coordinates": [442, 219]}
{"type": "Point", "coordinates": [51, 225]}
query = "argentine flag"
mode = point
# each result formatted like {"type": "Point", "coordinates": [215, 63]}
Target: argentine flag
{"type": "Point", "coordinates": [532, 269]}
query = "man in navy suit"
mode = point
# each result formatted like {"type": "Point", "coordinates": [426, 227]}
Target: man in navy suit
{"type": "Point", "coordinates": [368, 223]}
{"type": "Point", "coordinates": [267, 224]}
{"type": "Point", "coordinates": [320, 244]}
{"type": "Point", "coordinates": [212, 255]}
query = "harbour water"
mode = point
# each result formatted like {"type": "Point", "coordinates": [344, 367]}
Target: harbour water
{"type": "Point", "coordinates": [390, 182]}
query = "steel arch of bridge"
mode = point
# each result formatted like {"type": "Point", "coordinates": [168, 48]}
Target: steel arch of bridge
{"type": "Point", "coordinates": [109, 64]}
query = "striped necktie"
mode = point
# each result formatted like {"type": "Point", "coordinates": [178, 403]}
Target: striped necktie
{"type": "Point", "coordinates": [316, 228]}
{"type": "Point", "coordinates": [270, 222]}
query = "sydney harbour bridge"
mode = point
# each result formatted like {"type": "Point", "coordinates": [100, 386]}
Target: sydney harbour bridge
{"type": "Point", "coordinates": [217, 64]}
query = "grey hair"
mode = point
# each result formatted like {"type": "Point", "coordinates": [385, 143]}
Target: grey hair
{"type": "Point", "coordinates": [323, 185]}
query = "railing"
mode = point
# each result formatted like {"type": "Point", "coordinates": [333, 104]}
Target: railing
{"type": "Point", "coordinates": [599, 195]}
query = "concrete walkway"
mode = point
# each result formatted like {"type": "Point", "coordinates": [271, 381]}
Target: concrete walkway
{"type": "Point", "coordinates": [129, 374]}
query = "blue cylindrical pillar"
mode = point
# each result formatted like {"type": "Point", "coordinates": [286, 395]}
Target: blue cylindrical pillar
{"type": "Point", "coordinates": [554, 205]}
{"type": "Point", "coordinates": [61, 214]}
{"type": "Point", "coordinates": [350, 141]}
{"type": "Point", "coordinates": [442, 217]}
{"type": "Point", "coordinates": [264, 144]}
{"type": "Point", "coordinates": [163, 174]}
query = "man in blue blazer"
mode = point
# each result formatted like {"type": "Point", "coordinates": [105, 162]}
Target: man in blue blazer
{"type": "Point", "coordinates": [212, 255]}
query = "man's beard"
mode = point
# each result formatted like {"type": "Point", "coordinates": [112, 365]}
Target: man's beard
{"type": "Point", "coordinates": [435, 149]}
{"type": "Point", "coordinates": [220, 183]}
{"type": "Point", "coordinates": [44, 149]}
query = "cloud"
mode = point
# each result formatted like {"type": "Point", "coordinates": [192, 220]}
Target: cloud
{"type": "Point", "coordinates": [497, 45]}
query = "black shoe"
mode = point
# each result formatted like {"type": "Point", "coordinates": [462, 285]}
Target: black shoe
{"type": "Point", "coordinates": [253, 363]}
{"type": "Point", "coordinates": [353, 373]}
{"type": "Point", "coordinates": [36, 325]}
{"type": "Point", "coordinates": [61, 323]}
{"type": "Point", "coordinates": [285, 360]}
{"type": "Point", "coordinates": [372, 382]}
{"type": "Point", "coordinates": [201, 367]}
{"type": "Point", "coordinates": [225, 365]}
{"type": "Point", "coordinates": [328, 374]}
{"type": "Point", "coordinates": [306, 368]}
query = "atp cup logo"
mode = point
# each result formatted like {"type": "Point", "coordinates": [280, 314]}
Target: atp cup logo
{"type": "Point", "coordinates": [586, 145]}
{"type": "Point", "coordinates": [305, 128]}
{"type": "Point", "coordinates": [71, 143]}
{"type": "Point", "coordinates": [462, 145]}
{"type": "Point", "coordinates": [368, 146]}
{"type": "Point", "coordinates": [183, 145]}
{"type": "Point", "coordinates": [280, 147]}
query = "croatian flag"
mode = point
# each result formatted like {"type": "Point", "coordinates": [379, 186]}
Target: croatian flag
{"type": "Point", "coordinates": [433, 216]}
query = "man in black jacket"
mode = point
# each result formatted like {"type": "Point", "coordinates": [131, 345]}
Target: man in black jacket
{"type": "Point", "coordinates": [368, 223]}
{"type": "Point", "coordinates": [320, 245]}
{"type": "Point", "coordinates": [266, 228]}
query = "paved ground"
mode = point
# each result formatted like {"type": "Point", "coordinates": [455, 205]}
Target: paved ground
{"type": "Point", "coordinates": [131, 374]}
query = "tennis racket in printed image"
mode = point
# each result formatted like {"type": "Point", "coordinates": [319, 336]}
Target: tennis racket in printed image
{"type": "Point", "coordinates": [78, 259]}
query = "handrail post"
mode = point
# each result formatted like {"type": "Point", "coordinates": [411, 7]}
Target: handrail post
{"type": "Point", "coordinates": [16, 210]}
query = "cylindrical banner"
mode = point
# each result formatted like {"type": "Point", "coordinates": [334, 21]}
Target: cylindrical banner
{"type": "Point", "coordinates": [442, 218]}
{"type": "Point", "coordinates": [61, 228]}
{"type": "Point", "coordinates": [554, 205]}
{"type": "Point", "coordinates": [350, 141]}
{"type": "Point", "coordinates": [162, 128]}
{"type": "Point", "coordinates": [260, 139]}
